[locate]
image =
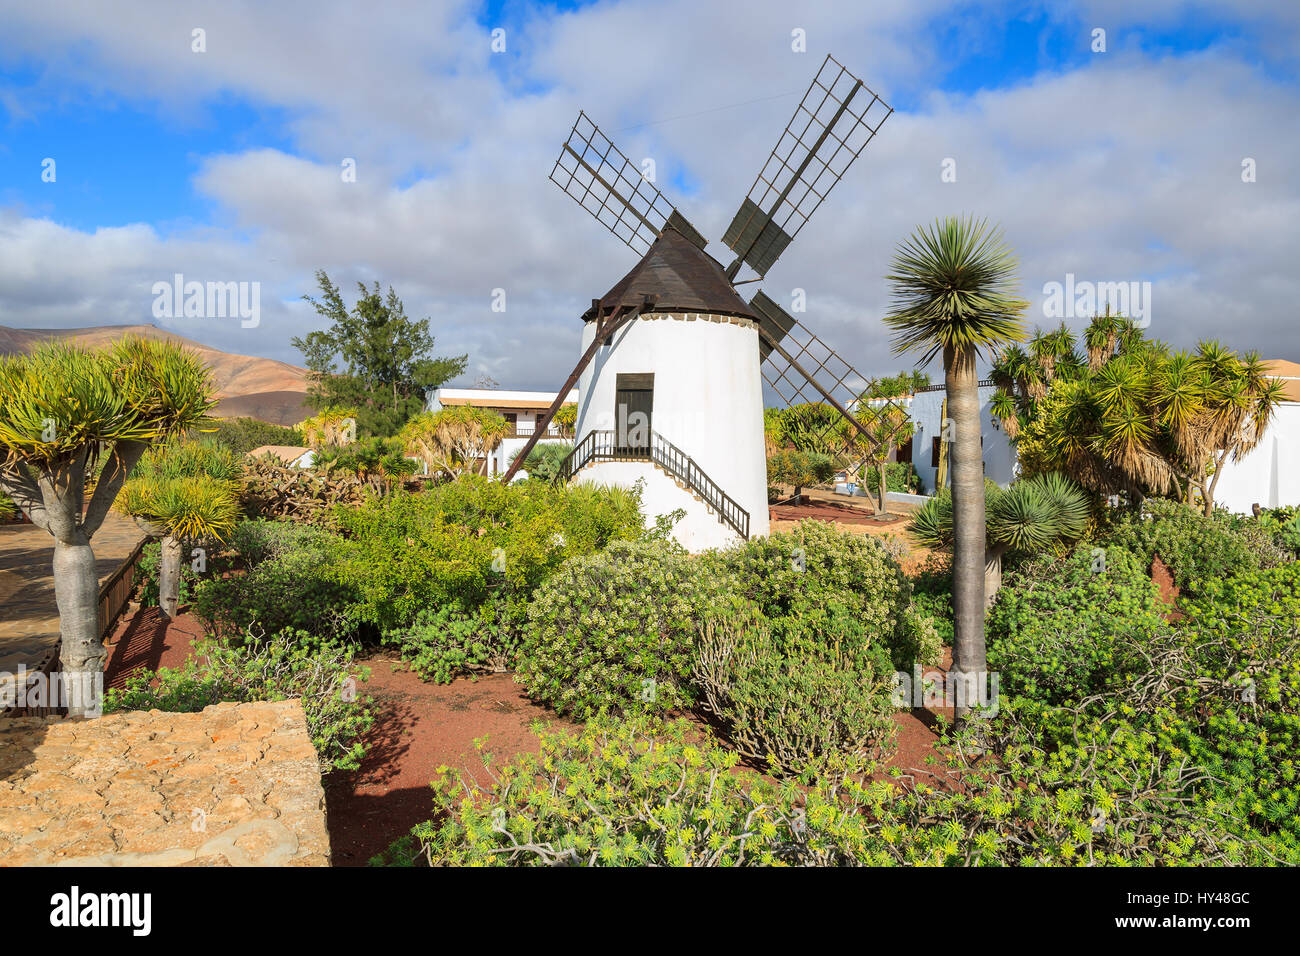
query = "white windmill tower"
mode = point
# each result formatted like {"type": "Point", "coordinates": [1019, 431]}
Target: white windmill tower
{"type": "Point", "coordinates": [671, 378]}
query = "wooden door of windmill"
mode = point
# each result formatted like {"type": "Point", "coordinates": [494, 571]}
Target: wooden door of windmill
{"type": "Point", "coordinates": [634, 406]}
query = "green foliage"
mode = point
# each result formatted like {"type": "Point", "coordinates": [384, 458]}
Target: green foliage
{"type": "Point", "coordinates": [792, 577]}
{"type": "Point", "coordinates": [932, 596]}
{"type": "Point", "coordinates": [292, 583]}
{"type": "Point", "coordinates": [1197, 549]}
{"type": "Point", "coordinates": [446, 642]}
{"type": "Point", "coordinates": [373, 357]}
{"type": "Point", "coordinates": [292, 664]}
{"type": "Point", "coordinates": [814, 685]}
{"type": "Point", "coordinates": [8, 510]}
{"type": "Point", "coordinates": [187, 489]}
{"type": "Point", "coordinates": [615, 631]}
{"type": "Point", "coordinates": [464, 542]}
{"type": "Point", "coordinates": [953, 287]}
{"type": "Point", "coordinates": [799, 468]}
{"type": "Point", "coordinates": [1062, 628]}
{"type": "Point", "coordinates": [545, 459]}
{"type": "Point", "coordinates": [896, 386]}
{"type": "Point", "coordinates": [61, 400]}
{"type": "Point", "coordinates": [635, 794]}
{"type": "Point", "coordinates": [1029, 516]}
{"type": "Point", "coordinates": [241, 435]}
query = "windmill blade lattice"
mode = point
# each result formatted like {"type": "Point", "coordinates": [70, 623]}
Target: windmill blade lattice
{"type": "Point", "coordinates": [603, 181]}
{"type": "Point", "coordinates": [832, 125]}
{"type": "Point", "coordinates": [811, 373]}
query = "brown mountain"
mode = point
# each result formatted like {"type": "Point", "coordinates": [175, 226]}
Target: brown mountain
{"type": "Point", "coordinates": [260, 388]}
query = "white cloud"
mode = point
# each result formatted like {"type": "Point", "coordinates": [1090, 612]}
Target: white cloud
{"type": "Point", "coordinates": [1126, 169]}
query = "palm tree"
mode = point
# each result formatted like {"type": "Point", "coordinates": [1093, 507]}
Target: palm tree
{"type": "Point", "coordinates": [1030, 516]}
{"type": "Point", "coordinates": [953, 287]}
{"type": "Point", "coordinates": [182, 492]}
{"type": "Point", "coordinates": [65, 410]}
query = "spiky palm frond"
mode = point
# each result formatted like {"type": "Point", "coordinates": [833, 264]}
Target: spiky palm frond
{"type": "Point", "coordinates": [1030, 515]}
{"type": "Point", "coordinates": [197, 508]}
{"type": "Point", "coordinates": [953, 287]}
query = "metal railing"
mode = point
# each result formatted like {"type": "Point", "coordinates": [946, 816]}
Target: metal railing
{"type": "Point", "coordinates": [603, 446]}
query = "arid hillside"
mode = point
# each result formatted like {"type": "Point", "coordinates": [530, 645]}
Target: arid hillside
{"type": "Point", "coordinates": [257, 387]}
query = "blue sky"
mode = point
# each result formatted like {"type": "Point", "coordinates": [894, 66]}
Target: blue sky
{"type": "Point", "coordinates": [223, 162]}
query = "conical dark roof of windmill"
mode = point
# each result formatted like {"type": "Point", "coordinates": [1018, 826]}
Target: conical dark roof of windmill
{"type": "Point", "coordinates": [682, 276]}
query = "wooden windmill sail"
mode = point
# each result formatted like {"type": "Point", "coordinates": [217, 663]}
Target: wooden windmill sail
{"type": "Point", "coordinates": [836, 119]}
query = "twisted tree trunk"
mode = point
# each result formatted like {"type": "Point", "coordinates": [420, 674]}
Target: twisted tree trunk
{"type": "Point", "coordinates": [76, 591]}
{"type": "Point", "coordinates": [169, 576]}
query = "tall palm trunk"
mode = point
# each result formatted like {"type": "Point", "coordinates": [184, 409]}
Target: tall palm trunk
{"type": "Point", "coordinates": [968, 524]}
{"type": "Point", "coordinates": [169, 576]}
{"type": "Point", "coordinates": [76, 592]}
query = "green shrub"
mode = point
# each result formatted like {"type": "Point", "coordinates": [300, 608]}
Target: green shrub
{"type": "Point", "coordinates": [790, 695]}
{"type": "Point", "coordinates": [295, 585]}
{"type": "Point", "coordinates": [242, 435]}
{"type": "Point", "coordinates": [1061, 629]}
{"type": "Point", "coordinates": [8, 510]}
{"type": "Point", "coordinates": [257, 540]}
{"type": "Point", "coordinates": [1197, 549]}
{"type": "Point", "coordinates": [1283, 524]}
{"type": "Point", "coordinates": [615, 630]}
{"type": "Point", "coordinates": [445, 642]}
{"type": "Point", "coordinates": [292, 664]}
{"type": "Point", "coordinates": [932, 596]}
{"type": "Point", "coordinates": [472, 540]}
{"type": "Point", "coordinates": [790, 576]}
{"type": "Point", "coordinates": [635, 793]}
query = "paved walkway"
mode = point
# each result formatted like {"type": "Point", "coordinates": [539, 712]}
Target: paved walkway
{"type": "Point", "coordinates": [29, 617]}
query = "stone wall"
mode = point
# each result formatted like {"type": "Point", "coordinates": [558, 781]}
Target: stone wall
{"type": "Point", "coordinates": [234, 785]}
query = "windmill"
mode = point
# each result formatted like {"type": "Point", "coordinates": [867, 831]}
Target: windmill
{"type": "Point", "coordinates": [675, 334]}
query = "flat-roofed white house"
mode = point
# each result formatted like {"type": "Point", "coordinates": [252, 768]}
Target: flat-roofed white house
{"type": "Point", "coordinates": [1269, 475]}
{"type": "Point", "coordinates": [521, 410]}
{"type": "Point", "coordinates": [925, 408]}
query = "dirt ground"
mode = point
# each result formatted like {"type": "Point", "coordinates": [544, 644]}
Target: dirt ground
{"type": "Point", "coordinates": [420, 727]}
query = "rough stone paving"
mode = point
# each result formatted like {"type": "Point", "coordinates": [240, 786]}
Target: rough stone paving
{"type": "Point", "coordinates": [233, 785]}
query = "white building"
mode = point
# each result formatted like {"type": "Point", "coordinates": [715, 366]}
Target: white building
{"type": "Point", "coordinates": [925, 407]}
{"type": "Point", "coordinates": [674, 399]}
{"type": "Point", "coordinates": [1269, 476]}
{"type": "Point", "coordinates": [521, 410]}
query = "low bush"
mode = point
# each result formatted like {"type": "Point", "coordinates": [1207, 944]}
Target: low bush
{"type": "Point", "coordinates": [291, 664]}
{"type": "Point", "coordinates": [615, 631]}
{"type": "Point", "coordinates": [445, 642]}
{"type": "Point", "coordinates": [1062, 629]}
{"type": "Point", "coordinates": [1196, 548]}
{"type": "Point", "coordinates": [635, 793]}
{"type": "Point", "coordinates": [472, 540]}
{"type": "Point", "coordinates": [294, 584]}
{"type": "Point", "coordinates": [791, 576]}
{"type": "Point", "coordinates": [790, 695]}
